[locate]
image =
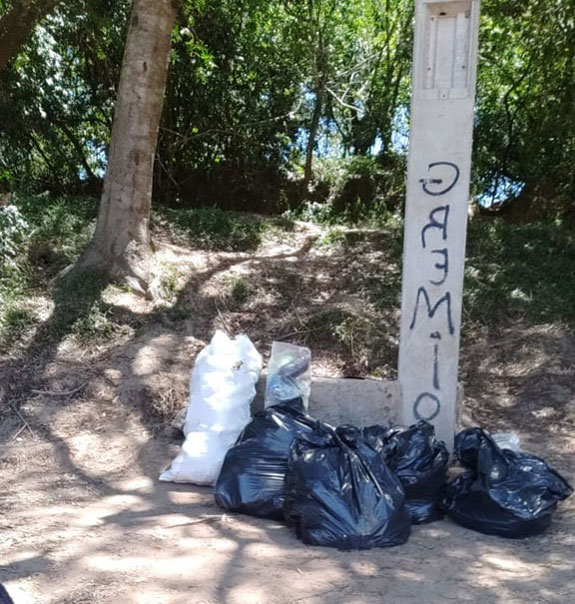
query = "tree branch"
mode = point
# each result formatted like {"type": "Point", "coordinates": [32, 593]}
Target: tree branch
{"type": "Point", "coordinates": [17, 25]}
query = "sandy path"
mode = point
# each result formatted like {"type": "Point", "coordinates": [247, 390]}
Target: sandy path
{"type": "Point", "coordinates": [72, 538]}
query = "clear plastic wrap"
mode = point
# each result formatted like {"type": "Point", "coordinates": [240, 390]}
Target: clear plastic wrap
{"type": "Point", "coordinates": [289, 374]}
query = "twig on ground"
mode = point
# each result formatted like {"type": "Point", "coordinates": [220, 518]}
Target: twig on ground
{"type": "Point", "coordinates": [203, 520]}
{"type": "Point", "coordinates": [222, 319]}
{"type": "Point", "coordinates": [299, 332]}
{"type": "Point", "coordinates": [62, 393]}
{"type": "Point", "coordinates": [20, 430]}
{"type": "Point", "coordinates": [297, 315]}
{"type": "Point", "coordinates": [24, 421]}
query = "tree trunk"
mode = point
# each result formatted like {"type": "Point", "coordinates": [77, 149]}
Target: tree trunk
{"type": "Point", "coordinates": [121, 243]}
{"type": "Point", "coordinates": [17, 25]}
{"type": "Point", "coordinates": [317, 111]}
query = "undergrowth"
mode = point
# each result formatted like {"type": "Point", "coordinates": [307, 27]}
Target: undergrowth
{"type": "Point", "coordinates": [513, 272]}
{"type": "Point", "coordinates": [214, 229]}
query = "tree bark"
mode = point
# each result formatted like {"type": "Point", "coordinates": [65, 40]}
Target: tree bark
{"type": "Point", "coordinates": [17, 25]}
{"type": "Point", "coordinates": [320, 84]}
{"type": "Point", "coordinates": [121, 243]}
{"type": "Point", "coordinates": [313, 128]}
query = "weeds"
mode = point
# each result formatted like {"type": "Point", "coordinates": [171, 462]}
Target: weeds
{"type": "Point", "coordinates": [355, 190]}
{"type": "Point", "coordinates": [14, 321]}
{"type": "Point", "coordinates": [95, 325]}
{"type": "Point", "coordinates": [240, 290]}
{"type": "Point", "coordinates": [519, 271]}
{"type": "Point", "coordinates": [169, 282]}
{"type": "Point", "coordinates": [214, 229]}
{"type": "Point", "coordinates": [80, 311]}
{"type": "Point", "coordinates": [13, 229]}
{"type": "Point", "coordinates": [60, 228]}
{"type": "Point", "coordinates": [512, 271]}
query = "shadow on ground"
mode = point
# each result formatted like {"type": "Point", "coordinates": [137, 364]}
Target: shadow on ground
{"type": "Point", "coordinates": [84, 519]}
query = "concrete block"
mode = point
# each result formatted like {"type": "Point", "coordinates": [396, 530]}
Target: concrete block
{"type": "Point", "coordinates": [340, 401]}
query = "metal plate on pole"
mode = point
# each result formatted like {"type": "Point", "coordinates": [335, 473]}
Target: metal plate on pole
{"type": "Point", "coordinates": [443, 96]}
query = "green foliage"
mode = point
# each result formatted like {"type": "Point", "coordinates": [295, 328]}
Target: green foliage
{"type": "Point", "coordinates": [240, 290]}
{"type": "Point", "coordinates": [13, 229]}
{"type": "Point", "coordinates": [521, 271]}
{"type": "Point", "coordinates": [169, 282]}
{"type": "Point", "coordinates": [57, 99]}
{"type": "Point", "coordinates": [80, 311]}
{"type": "Point", "coordinates": [513, 272]}
{"type": "Point", "coordinates": [57, 230]}
{"type": "Point", "coordinates": [356, 190]}
{"type": "Point", "coordinates": [95, 325]}
{"type": "Point", "coordinates": [211, 228]}
{"type": "Point", "coordinates": [525, 128]}
{"type": "Point", "coordinates": [61, 227]}
{"type": "Point", "coordinates": [15, 319]}
{"type": "Point", "coordinates": [246, 81]}
{"type": "Point", "coordinates": [354, 331]}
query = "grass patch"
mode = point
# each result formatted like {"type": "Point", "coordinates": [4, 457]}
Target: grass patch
{"type": "Point", "coordinates": [512, 272]}
{"type": "Point", "coordinates": [519, 271]}
{"type": "Point", "coordinates": [169, 282]}
{"type": "Point", "coordinates": [61, 228]}
{"type": "Point", "coordinates": [214, 229]}
{"type": "Point", "coordinates": [240, 290]}
{"type": "Point", "coordinates": [80, 310]}
{"type": "Point", "coordinates": [15, 320]}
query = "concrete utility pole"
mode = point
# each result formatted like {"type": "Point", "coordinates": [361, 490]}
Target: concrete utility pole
{"type": "Point", "coordinates": [443, 96]}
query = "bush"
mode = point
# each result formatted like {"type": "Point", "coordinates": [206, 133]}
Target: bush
{"type": "Point", "coordinates": [355, 190]}
{"type": "Point", "coordinates": [13, 229]}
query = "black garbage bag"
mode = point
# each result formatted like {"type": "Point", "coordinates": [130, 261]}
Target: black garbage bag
{"type": "Point", "coordinates": [420, 462]}
{"type": "Point", "coordinates": [251, 480]}
{"type": "Point", "coordinates": [340, 493]}
{"type": "Point", "coordinates": [506, 493]}
{"type": "Point", "coordinates": [5, 596]}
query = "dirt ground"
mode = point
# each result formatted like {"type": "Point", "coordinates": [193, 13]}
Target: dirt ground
{"type": "Point", "coordinates": [85, 433]}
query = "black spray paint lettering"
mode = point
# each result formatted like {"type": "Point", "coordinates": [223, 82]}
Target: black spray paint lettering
{"type": "Point", "coordinates": [435, 336]}
{"type": "Point", "coordinates": [443, 266]}
{"type": "Point", "coordinates": [427, 405]}
{"type": "Point", "coordinates": [426, 399]}
{"type": "Point", "coordinates": [431, 310]}
{"type": "Point", "coordinates": [436, 224]}
{"type": "Point", "coordinates": [440, 181]}
{"type": "Point", "coordinates": [436, 367]}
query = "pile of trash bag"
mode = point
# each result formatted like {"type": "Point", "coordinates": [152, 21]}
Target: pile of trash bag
{"type": "Point", "coordinates": [222, 387]}
{"type": "Point", "coordinates": [504, 492]}
{"type": "Point", "coordinates": [345, 487]}
{"type": "Point", "coordinates": [420, 462]}
{"type": "Point", "coordinates": [340, 493]}
{"type": "Point", "coordinates": [251, 480]}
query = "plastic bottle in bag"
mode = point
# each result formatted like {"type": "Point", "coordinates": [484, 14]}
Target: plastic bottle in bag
{"type": "Point", "coordinates": [289, 374]}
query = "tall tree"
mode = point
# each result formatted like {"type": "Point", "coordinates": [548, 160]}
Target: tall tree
{"type": "Point", "coordinates": [121, 242]}
{"type": "Point", "coordinates": [18, 23]}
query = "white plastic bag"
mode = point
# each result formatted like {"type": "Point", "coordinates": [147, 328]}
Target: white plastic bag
{"type": "Point", "coordinates": [289, 374]}
{"type": "Point", "coordinates": [201, 457]}
{"type": "Point", "coordinates": [222, 387]}
{"type": "Point", "coordinates": [223, 384]}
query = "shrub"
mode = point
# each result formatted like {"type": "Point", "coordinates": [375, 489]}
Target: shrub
{"type": "Point", "coordinates": [13, 229]}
